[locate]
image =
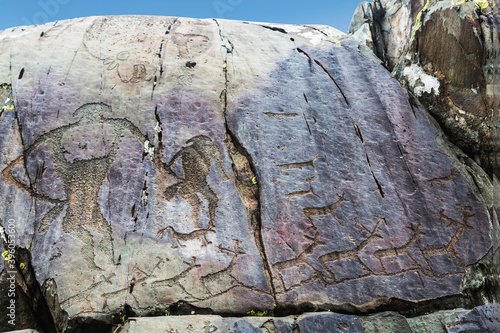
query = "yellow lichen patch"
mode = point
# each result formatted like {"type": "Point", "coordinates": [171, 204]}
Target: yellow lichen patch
{"type": "Point", "coordinates": [418, 20]}
{"type": "Point", "coordinates": [426, 6]}
{"type": "Point", "coordinates": [6, 255]}
{"type": "Point", "coordinates": [482, 4]}
{"type": "Point", "coordinates": [337, 42]}
{"type": "Point", "coordinates": [21, 266]}
{"type": "Point", "coordinates": [8, 103]}
{"type": "Point", "coordinates": [257, 313]}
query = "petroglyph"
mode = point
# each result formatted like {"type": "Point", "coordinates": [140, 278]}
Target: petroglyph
{"type": "Point", "coordinates": [299, 165]}
{"type": "Point", "coordinates": [199, 234]}
{"type": "Point", "coordinates": [212, 284]}
{"type": "Point", "coordinates": [440, 180]}
{"type": "Point", "coordinates": [8, 176]}
{"type": "Point", "coordinates": [340, 266]}
{"type": "Point", "coordinates": [135, 74]}
{"type": "Point", "coordinates": [321, 270]}
{"type": "Point", "coordinates": [281, 115]}
{"type": "Point", "coordinates": [449, 248]}
{"type": "Point", "coordinates": [138, 74]}
{"type": "Point", "coordinates": [422, 257]}
{"type": "Point", "coordinates": [351, 254]}
{"type": "Point", "coordinates": [196, 161]}
{"type": "Point", "coordinates": [269, 327]}
{"type": "Point", "coordinates": [209, 328]}
{"type": "Point", "coordinates": [405, 249]}
{"type": "Point", "coordinates": [326, 210]}
{"type": "Point", "coordinates": [303, 193]}
{"type": "Point", "coordinates": [131, 55]}
{"type": "Point", "coordinates": [81, 177]}
{"type": "Point", "coordinates": [185, 80]}
{"type": "Point", "coordinates": [191, 46]}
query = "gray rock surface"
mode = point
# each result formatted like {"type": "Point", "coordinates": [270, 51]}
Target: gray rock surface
{"type": "Point", "coordinates": [321, 322]}
{"type": "Point", "coordinates": [484, 318]}
{"type": "Point", "coordinates": [481, 319]}
{"type": "Point", "coordinates": [158, 165]}
{"type": "Point", "coordinates": [446, 54]}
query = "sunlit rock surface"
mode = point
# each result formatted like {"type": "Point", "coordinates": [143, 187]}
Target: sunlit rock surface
{"type": "Point", "coordinates": [447, 55]}
{"type": "Point", "coordinates": [157, 165]}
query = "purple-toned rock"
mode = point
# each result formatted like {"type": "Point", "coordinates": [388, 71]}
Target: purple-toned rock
{"type": "Point", "coordinates": [484, 318]}
{"type": "Point", "coordinates": [446, 54]}
{"type": "Point", "coordinates": [311, 322]}
{"type": "Point", "coordinates": [156, 165]}
{"type": "Point", "coordinates": [359, 203]}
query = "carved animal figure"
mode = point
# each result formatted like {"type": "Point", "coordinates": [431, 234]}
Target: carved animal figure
{"type": "Point", "coordinates": [196, 161]}
{"type": "Point", "coordinates": [326, 210]}
{"type": "Point", "coordinates": [200, 234]}
{"type": "Point", "coordinates": [302, 193]}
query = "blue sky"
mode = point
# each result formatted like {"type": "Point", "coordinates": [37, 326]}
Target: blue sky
{"type": "Point", "coordinates": [336, 13]}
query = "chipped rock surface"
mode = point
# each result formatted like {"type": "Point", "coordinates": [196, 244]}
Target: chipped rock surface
{"type": "Point", "coordinates": [155, 165]}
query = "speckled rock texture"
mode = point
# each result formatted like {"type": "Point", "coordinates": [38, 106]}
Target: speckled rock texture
{"type": "Point", "coordinates": [447, 55]}
{"type": "Point", "coordinates": [159, 165]}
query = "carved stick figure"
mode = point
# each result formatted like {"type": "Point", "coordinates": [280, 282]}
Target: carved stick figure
{"type": "Point", "coordinates": [196, 162]}
{"type": "Point", "coordinates": [81, 179]}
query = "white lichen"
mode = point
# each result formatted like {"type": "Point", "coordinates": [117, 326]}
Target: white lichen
{"type": "Point", "coordinates": [151, 153]}
{"type": "Point", "coordinates": [314, 37]}
{"type": "Point", "coordinates": [481, 4]}
{"type": "Point", "coordinates": [421, 82]}
{"type": "Point", "coordinates": [158, 127]}
{"type": "Point", "coordinates": [149, 150]}
{"type": "Point", "coordinates": [2, 234]}
{"type": "Point", "coordinates": [144, 197]}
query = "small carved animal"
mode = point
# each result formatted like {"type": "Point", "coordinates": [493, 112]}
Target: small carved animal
{"type": "Point", "coordinates": [177, 236]}
{"type": "Point", "coordinates": [326, 210]}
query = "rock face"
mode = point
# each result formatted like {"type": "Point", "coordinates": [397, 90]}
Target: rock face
{"type": "Point", "coordinates": [447, 54]}
{"type": "Point", "coordinates": [481, 319]}
{"type": "Point", "coordinates": [157, 165]}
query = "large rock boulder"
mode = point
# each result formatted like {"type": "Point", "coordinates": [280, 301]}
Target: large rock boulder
{"type": "Point", "coordinates": [157, 165]}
